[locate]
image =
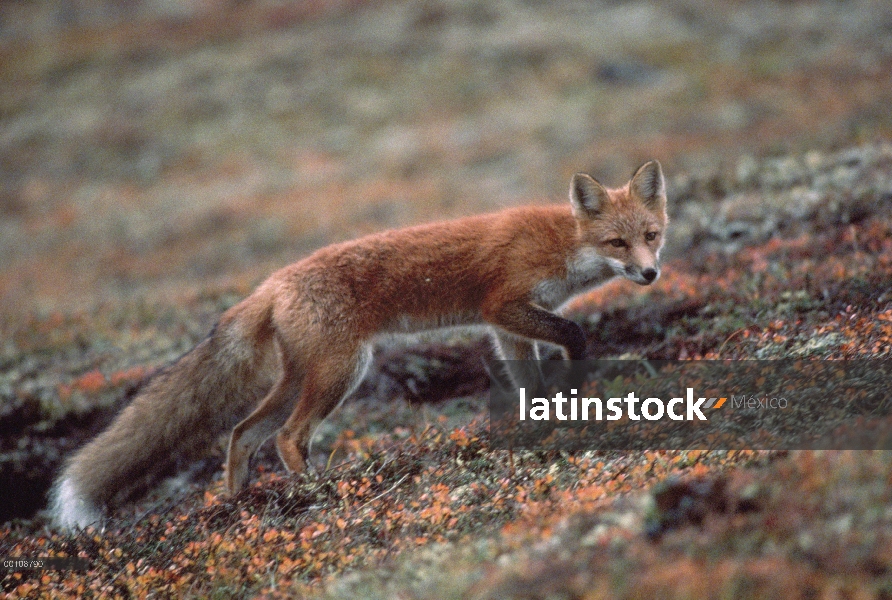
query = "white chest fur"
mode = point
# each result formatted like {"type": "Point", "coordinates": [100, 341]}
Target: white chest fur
{"type": "Point", "coordinates": [586, 270]}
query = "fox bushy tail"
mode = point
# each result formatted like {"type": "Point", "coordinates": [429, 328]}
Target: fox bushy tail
{"type": "Point", "coordinates": [173, 419]}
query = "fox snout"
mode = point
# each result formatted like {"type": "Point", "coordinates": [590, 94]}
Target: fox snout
{"type": "Point", "coordinates": [641, 276]}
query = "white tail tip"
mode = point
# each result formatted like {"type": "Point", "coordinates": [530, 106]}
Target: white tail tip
{"type": "Point", "coordinates": [72, 511]}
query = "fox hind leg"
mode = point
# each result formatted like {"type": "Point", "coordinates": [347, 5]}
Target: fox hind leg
{"type": "Point", "coordinates": [260, 425]}
{"type": "Point", "coordinates": [326, 384]}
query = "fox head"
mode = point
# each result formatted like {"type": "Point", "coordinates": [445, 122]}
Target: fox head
{"type": "Point", "coordinates": [623, 227]}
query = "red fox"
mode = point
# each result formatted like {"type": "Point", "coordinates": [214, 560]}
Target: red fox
{"type": "Point", "coordinates": [301, 342]}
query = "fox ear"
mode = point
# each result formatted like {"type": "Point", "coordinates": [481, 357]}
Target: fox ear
{"type": "Point", "coordinates": [587, 196]}
{"type": "Point", "coordinates": [649, 186]}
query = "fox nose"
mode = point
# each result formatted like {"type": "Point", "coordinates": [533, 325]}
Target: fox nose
{"type": "Point", "coordinates": [649, 274]}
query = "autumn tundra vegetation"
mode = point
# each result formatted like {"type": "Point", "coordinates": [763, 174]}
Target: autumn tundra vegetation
{"type": "Point", "coordinates": [158, 161]}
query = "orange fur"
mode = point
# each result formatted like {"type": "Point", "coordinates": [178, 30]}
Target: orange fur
{"type": "Point", "coordinates": [300, 343]}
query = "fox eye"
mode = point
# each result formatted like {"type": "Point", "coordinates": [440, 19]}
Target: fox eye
{"type": "Point", "coordinates": [650, 236]}
{"type": "Point", "coordinates": [617, 243]}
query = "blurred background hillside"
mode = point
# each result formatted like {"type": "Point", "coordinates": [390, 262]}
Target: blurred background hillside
{"type": "Point", "coordinates": [149, 146]}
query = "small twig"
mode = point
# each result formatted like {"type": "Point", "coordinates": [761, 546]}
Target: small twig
{"type": "Point", "coordinates": [649, 368]}
{"type": "Point", "coordinates": [334, 448]}
{"type": "Point", "coordinates": [729, 338]}
{"type": "Point", "coordinates": [387, 491]}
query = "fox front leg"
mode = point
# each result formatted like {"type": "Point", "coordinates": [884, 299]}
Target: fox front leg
{"type": "Point", "coordinates": [530, 321]}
